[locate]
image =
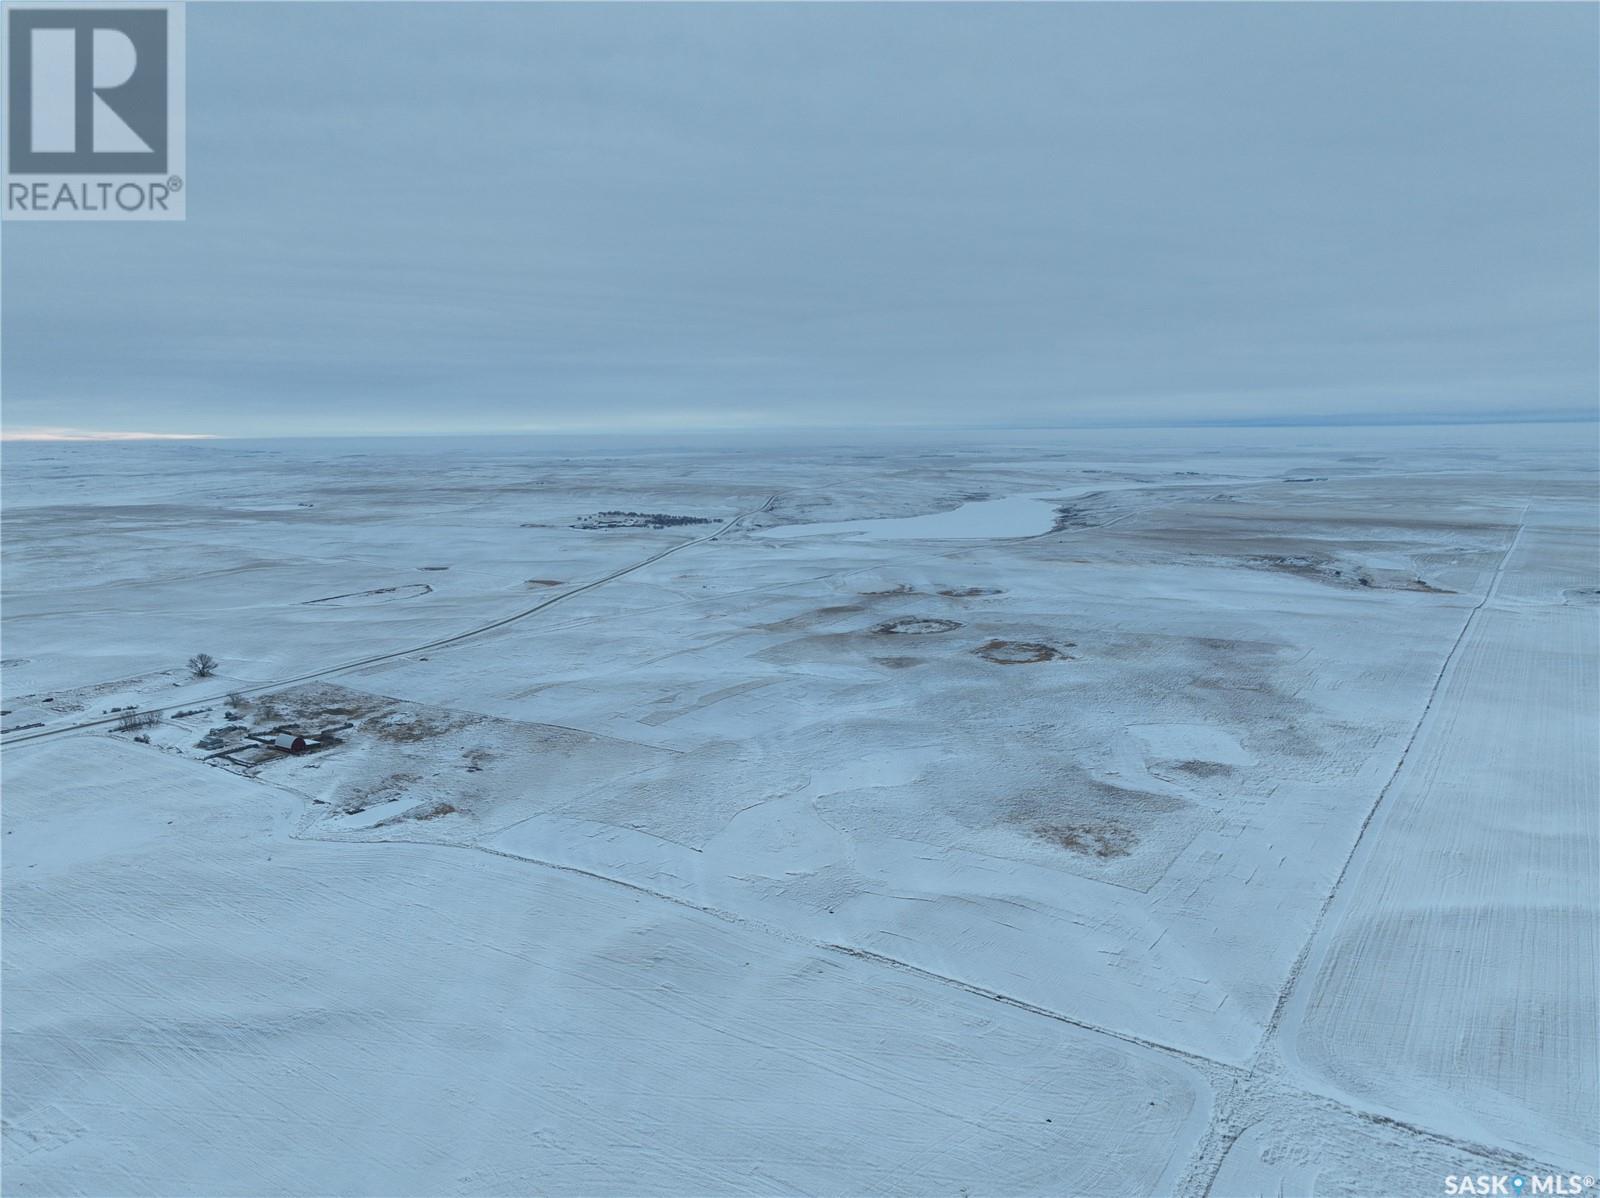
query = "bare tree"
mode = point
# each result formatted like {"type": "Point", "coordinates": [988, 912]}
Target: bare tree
{"type": "Point", "coordinates": [202, 665]}
{"type": "Point", "coordinates": [237, 701]}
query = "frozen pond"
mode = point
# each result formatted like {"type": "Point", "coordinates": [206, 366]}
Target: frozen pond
{"type": "Point", "coordinates": [1019, 516]}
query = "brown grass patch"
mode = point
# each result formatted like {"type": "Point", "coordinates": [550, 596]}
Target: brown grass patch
{"type": "Point", "coordinates": [437, 810]}
{"type": "Point", "coordinates": [390, 788]}
{"type": "Point", "coordinates": [408, 727]}
{"type": "Point", "coordinates": [1020, 653]}
{"type": "Point", "coordinates": [1090, 840]}
{"type": "Point", "coordinates": [1204, 769]}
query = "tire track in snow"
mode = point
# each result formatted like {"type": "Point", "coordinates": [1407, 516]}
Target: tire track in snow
{"type": "Point", "coordinates": [1270, 1032]}
{"type": "Point", "coordinates": [1247, 1091]}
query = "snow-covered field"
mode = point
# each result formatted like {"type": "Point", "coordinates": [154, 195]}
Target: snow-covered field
{"type": "Point", "coordinates": [1201, 812]}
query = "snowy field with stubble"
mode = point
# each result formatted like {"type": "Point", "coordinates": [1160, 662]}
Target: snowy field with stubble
{"type": "Point", "coordinates": [1189, 812]}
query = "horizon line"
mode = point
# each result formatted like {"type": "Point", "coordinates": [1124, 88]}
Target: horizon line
{"type": "Point", "coordinates": [63, 435]}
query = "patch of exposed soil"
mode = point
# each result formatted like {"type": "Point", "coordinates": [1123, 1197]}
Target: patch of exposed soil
{"type": "Point", "coordinates": [1203, 769]}
{"type": "Point", "coordinates": [1325, 570]}
{"type": "Point", "coordinates": [317, 705]}
{"type": "Point", "coordinates": [436, 810]}
{"type": "Point", "coordinates": [431, 811]}
{"type": "Point", "coordinates": [1021, 653]}
{"type": "Point", "coordinates": [915, 626]}
{"type": "Point", "coordinates": [1583, 596]}
{"type": "Point", "coordinates": [543, 582]}
{"type": "Point", "coordinates": [970, 592]}
{"type": "Point", "coordinates": [385, 791]}
{"type": "Point", "coordinates": [408, 727]}
{"type": "Point", "coordinates": [898, 663]}
{"type": "Point", "coordinates": [1316, 568]}
{"type": "Point", "coordinates": [1087, 816]}
{"type": "Point", "coordinates": [1091, 840]}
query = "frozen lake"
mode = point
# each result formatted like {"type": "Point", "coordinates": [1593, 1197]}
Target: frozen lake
{"type": "Point", "coordinates": [1019, 516]}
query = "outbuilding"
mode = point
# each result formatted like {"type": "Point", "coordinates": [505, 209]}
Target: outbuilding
{"type": "Point", "coordinates": [289, 742]}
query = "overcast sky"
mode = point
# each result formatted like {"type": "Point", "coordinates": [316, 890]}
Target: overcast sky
{"type": "Point", "coordinates": [410, 217]}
